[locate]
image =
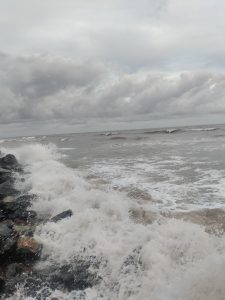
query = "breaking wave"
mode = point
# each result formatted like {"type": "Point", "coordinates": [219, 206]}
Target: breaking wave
{"type": "Point", "coordinates": [166, 259]}
{"type": "Point", "coordinates": [179, 130]}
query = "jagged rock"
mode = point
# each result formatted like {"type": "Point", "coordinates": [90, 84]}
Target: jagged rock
{"type": "Point", "coordinates": [26, 230]}
{"type": "Point", "coordinates": [4, 171]}
{"type": "Point", "coordinates": [63, 215]}
{"type": "Point", "coordinates": [7, 189]}
{"type": "Point", "coordinates": [8, 199]}
{"type": "Point", "coordinates": [2, 285]}
{"type": "Point", "coordinates": [19, 274]}
{"type": "Point", "coordinates": [8, 238]}
{"type": "Point", "coordinates": [3, 217]}
{"type": "Point", "coordinates": [14, 269]}
{"type": "Point", "coordinates": [27, 216]}
{"type": "Point", "coordinates": [80, 275]}
{"type": "Point", "coordinates": [28, 249]}
{"type": "Point", "coordinates": [15, 205]}
{"type": "Point", "coordinates": [26, 198]}
{"type": "Point", "coordinates": [4, 175]}
{"type": "Point", "coordinates": [9, 162]}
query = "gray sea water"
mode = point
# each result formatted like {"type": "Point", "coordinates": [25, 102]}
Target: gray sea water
{"type": "Point", "coordinates": [160, 191]}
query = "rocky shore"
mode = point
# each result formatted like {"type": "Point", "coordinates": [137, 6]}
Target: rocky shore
{"type": "Point", "coordinates": [20, 251]}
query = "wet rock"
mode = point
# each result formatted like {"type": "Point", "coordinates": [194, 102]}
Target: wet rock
{"type": "Point", "coordinates": [8, 238]}
{"type": "Point", "coordinates": [2, 285]}
{"type": "Point", "coordinates": [28, 249]}
{"type": "Point", "coordinates": [18, 276]}
{"type": "Point", "coordinates": [3, 217]}
{"type": "Point", "coordinates": [26, 198]}
{"type": "Point", "coordinates": [81, 275]}
{"type": "Point", "coordinates": [4, 175]}
{"type": "Point", "coordinates": [133, 262]}
{"type": "Point", "coordinates": [9, 162]}
{"type": "Point", "coordinates": [7, 189]}
{"type": "Point", "coordinates": [10, 204]}
{"type": "Point", "coordinates": [63, 215]}
{"type": "Point", "coordinates": [14, 269]}
{"type": "Point", "coordinates": [27, 216]}
{"type": "Point", "coordinates": [12, 278]}
{"type": "Point", "coordinates": [4, 171]}
{"type": "Point", "coordinates": [8, 199]}
{"type": "Point", "coordinates": [24, 229]}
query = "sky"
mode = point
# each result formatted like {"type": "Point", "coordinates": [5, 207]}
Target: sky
{"type": "Point", "coordinates": [86, 65]}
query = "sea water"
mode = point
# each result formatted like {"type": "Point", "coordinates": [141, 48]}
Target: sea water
{"type": "Point", "coordinates": [147, 204]}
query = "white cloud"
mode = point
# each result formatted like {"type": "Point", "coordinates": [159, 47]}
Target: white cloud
{"type": "Point", "coordinates": [45, 87]}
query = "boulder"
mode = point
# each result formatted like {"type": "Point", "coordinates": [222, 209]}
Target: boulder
{"type": "Point", "coordinates": [4, 175]}
{"type": "Point", "coordinates": [14, 269]}
{"type": "Point", "coordinates": [9, 162]}
{"type": "Point", "coordinates": [63, 215]}
{"type": "Point", "coordinates": [3, 216]}
{"type": "Point", "coordinates": [8, 239]}
{"type": "Point", "coordinates": [28, 249]}
{"type": "Point", "coordinates": [80, 275]}
{"type": "Point", "coordinates": [24, 229]}
{"type": "Point", "coordinates": [2, 285]}
{"type": "Point", "coordinates": [23, 216]}
{"type": "Point", "coordinates": [11, 204]}
{"type": "Point", "coordinates": [5, 171]}
{"type": "Point", "coordinates": [7, 189]}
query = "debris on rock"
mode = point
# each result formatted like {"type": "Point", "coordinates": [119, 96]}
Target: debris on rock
{"type": "Point", "coordinates": [63, 215]}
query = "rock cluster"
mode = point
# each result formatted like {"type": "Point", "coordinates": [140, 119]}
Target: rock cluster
{"type": "Point", "coordinates": [19, 250]}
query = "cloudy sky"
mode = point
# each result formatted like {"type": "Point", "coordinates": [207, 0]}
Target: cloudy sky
{"type": "Point", "coordinates": [74, 65]}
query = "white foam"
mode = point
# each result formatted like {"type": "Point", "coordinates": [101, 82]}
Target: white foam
{"type": "Point", "coordinates": [177, 260]}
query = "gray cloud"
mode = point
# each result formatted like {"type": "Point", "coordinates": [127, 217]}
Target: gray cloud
{"type": "Point", "coordinates": [85, 61]}
{"type": "Point", "coordinates": [48, 88]}
{"type": "Point", "coordinates": [160, 34]}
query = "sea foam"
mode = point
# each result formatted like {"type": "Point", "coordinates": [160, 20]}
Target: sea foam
{"type": "Point", "coordinates": [168, 260]}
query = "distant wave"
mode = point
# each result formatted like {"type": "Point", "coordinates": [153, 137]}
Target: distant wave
{"type": "Point", "coordinates": [179, 130]}
{"type": "Point", "coordinates": [202, 129]}
{"type": "Point", "coordinates": [118, 138]}
{"type": "Point", "coordinates": [167, 131]}
{"type": "Point", "coordinates": [109, 133]}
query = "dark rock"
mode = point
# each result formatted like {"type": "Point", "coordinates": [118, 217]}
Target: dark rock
{"type": "Point", "coordinates": [28, 249]}
{"type": "Point", "coordinates": [26, 198]}
{"type": "Point", "coordinates": [8, 238]}
{"type": "Point", "coordinates": [4, 175]}
{"type": "Point", "coordinates": [3, 216]}
{"type": "Point", "coordinates": [2, 285]}
{"type": "Point", "coordinates": [26, 230]}
{"type": "Point", "coordinates": [78, 276]}
{"type": "Point", "coordinates": [39, 284]}
{"type": "Point", "coordinates": [14, 269]}
{"type": "Point", "coordinates": [9, 162]}
{"type": "Point", "coordinates": [13, 281]}
{"type": "Point", "coordinates": [7, 189]}
{"type": "Point", "coordinates": [63, 215]}
{"type": "Point", "coordinates": [5, 171]}
{"type": "Point", "coordinates": [27, 216]}
{"type": "Point", "coordinates": [10, 204]}
{"type": "Point", "coordinates": [12, 277]}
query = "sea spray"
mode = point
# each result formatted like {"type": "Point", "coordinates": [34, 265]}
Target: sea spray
{"type": "Point", "coordinates": [168, 260]}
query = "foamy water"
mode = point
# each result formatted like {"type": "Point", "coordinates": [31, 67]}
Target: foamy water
{"type": "Point", "coordinates": [161, 259]}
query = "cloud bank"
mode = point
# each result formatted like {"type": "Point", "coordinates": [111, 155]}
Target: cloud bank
{"type": "Point", "coordinates": [39, 87]}
{"type": "Point", "coordinates": [96, 61]}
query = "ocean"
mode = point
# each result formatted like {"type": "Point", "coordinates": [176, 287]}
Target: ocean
{"type": "Point", "coordinates": [148, 209]}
